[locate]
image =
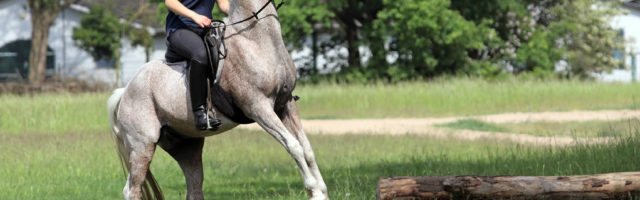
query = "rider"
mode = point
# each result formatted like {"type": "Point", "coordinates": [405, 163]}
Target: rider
{"type": "Point", "coordinates": [185, 25]}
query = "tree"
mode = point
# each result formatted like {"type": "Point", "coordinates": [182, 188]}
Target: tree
{"type": "Point", "coordinates": [353, 16]}
{"type": "Point", "coordinates": [298, 25]}
{"type": "Point", "coordinates": [43, 13]}
{"type": "Point", "coordinates": [582, 27]}
{"type": "Point", "coordinates": [537, 34]}
{"type": "Point", "coordinates": [432, 40]}
{"type": "Point", "coordinates": [98, 34]}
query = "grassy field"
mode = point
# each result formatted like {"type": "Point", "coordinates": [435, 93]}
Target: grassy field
{"type": "Point", "coordinates": [618, 128]}
{"type": "Point", "coordinates": [57, 146]}
{"type": "Point", "coordinates": [251, 165]}
{"type": "Point", "coordinates": [63, 113]}
{"type": "Point", "coordinates": [459, 97]}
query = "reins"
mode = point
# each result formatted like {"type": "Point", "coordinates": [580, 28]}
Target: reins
{"type": "Point", "coordinates": [255, 14]}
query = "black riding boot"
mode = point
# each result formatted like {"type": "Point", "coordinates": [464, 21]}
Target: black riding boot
{"type": "Point", "coordinates": [198, 90]}
{"type": "Point", "coordinates": [202, 117]}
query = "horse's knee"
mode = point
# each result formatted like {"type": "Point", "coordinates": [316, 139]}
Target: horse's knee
{"type": "Point", "coordinates": [308, 154]}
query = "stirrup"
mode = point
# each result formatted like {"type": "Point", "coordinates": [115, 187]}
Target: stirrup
{"type": "Point", "coordinates": [212, 123]}
{"type": "Point", "coordinates": [209, 123]}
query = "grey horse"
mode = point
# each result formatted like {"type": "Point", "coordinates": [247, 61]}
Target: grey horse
{"type": "Point", "coordinates": [255, 85]}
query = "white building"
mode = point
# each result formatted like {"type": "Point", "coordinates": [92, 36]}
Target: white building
{"type": "Point", "coordinates": [629, 26]}
{"type": "Point", "coordinates": [68, 59]}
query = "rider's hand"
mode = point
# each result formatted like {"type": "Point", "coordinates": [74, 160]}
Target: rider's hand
{"type": "Point", "coordinates": [201, 20]}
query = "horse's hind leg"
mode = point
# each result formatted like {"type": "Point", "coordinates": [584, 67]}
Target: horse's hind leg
{"type": "Point", "coordinates": [140, 132]}
{"type": "Point", "coordinates": [291, 120]}
{"type": "Point", "coordinates": [297, 145]}
{"type": "Point", "coordinates": [188, 153]}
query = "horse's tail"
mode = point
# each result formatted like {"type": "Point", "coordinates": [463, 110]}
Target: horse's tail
{"type": "Point", "coordinates": [151, 189]}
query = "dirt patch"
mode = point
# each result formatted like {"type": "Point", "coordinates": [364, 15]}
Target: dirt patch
{"type": "Point", "coordinates": [425, 126]}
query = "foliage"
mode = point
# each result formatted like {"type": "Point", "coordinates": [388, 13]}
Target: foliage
{"type": "Point", "coordinates": [584, 30]}
{"type": "Point", "coordinates": [538, 56]}
{"type": "Point", "coordinates": [486, 38]}
{"type": "Point", "coordinates": [442, 37]}
{"type": "Point", "coordinates": [433, 40]}
{"type": "Point", "coordinates": [298, 23]}
{"type": "Point", "coordinates": [99, 33]}
{"type": "Point", "coordinates": [538, 34]}
{"type": "Point", "coordinates": [141, 37]}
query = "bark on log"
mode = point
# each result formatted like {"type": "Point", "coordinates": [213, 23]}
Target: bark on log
{"type": "Point", "coordinates": [598, 186]}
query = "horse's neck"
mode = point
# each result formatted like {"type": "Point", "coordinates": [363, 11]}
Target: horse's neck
{"type": "Point", "coordinates": [261, 48]}
{"type": "Point", "coordinates": [268, 18]}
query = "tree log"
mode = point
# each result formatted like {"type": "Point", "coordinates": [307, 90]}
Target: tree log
{"type": "Point", "coordinates": [598, 186]}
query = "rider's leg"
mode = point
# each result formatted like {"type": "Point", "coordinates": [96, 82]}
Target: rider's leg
{"type": "Point", "coordinates": [198, 89]}
{"type": "Point", "coordinates": [190, 46]}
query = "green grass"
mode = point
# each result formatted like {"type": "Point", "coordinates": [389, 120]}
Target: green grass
{"type": "Point", "coordinates": [56, 146]}
{"type": "Point", "coordinates": [251, 165]}
{"type": "Point", "coordinates": [456, 97]}
{"type": "Point", "coordinates": [579, 129]}
{"type": "Point", "coordinates": [53, 113]}
{"type": "Point", "coordinates": [596, 128]}
{"type": "Point", "coordinates": [474, 124]}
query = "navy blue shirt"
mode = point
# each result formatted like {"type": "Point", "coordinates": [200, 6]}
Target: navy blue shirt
{"type": "Point", "coordinates": [175, 21]}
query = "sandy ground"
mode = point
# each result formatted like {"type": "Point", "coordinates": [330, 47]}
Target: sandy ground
{"type": "Point", "coordinates": [425, 126]}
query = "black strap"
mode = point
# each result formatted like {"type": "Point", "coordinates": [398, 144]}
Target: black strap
{"type": "Point", "coordinates": [214, 41]}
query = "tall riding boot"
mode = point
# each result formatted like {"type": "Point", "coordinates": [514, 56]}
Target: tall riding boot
{"type": "Point", "coordinates": [198, 90]}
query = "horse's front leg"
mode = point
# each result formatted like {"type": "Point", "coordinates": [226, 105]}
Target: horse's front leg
{"type": "Point", "coordinates": [285, 128]}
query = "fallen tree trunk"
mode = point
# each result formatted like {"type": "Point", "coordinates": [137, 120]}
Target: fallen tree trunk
{"type": "Point", "coordinates": [598, 186]}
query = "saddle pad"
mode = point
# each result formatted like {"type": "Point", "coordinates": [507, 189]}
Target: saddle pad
{"type": "Point", "coordinates": [175, 64]}
{"type": "Point", "coordinates": [183, 64]}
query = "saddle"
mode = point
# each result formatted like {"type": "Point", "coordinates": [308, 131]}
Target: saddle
{"type": "Point", "coordinates": [213, 39]}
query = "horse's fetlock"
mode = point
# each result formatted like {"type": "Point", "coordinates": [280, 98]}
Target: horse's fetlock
{"type": "Point", "coordinates": [311, 184]}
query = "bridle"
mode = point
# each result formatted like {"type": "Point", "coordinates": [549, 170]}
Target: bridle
{"type": "Point", "coordinates": [255, 14]}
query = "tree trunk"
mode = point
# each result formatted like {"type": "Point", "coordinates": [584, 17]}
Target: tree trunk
{"type": "Point", "coordinates": [352, 46]}
{"type": "Point", "coordinates": [598, 186]}
{"type": "Point", "coordinates": [38, 52]}
{"type": "Point", "coordinates": [43, 13]}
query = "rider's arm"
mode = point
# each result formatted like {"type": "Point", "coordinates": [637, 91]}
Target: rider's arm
{"type": "Point", "coordinates": [223, 5]}
{"type": "Point", "coordinates": [177, 7]}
